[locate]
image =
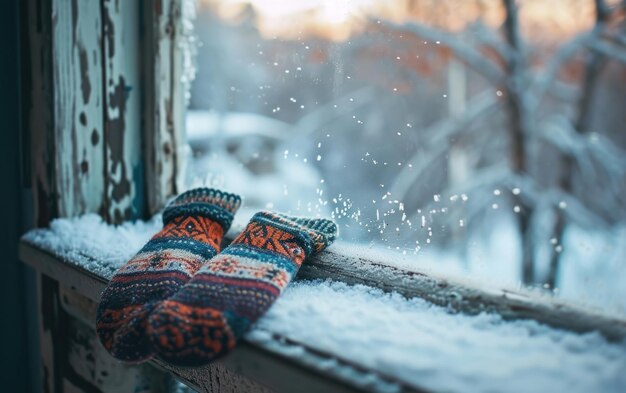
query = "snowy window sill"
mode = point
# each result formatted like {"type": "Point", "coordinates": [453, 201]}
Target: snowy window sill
{"type": "Point", "coordinates": [391, 329]}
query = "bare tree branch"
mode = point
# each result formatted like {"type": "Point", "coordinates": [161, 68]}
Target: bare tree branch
{"type": "Point", "coordinates": [518, 103]}
{"type": "Point", "coordinates": [595, 61]}
{"type": "Point", "coordinates": [561, 134]}
{"type": "Point", "coordinates": [544, 82]}
{"type": "Point", "coordinates": [464, 52]}
{"type": "Point", "coordinates": [441, 131]}
{"type": "Point", "coordinates": [608, 49]}
{"type": "Point", "coordinates": [484, 36]}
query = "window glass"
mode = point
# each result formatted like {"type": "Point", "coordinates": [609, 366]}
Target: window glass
{"type": "Point", "coordinates": [464, 138]}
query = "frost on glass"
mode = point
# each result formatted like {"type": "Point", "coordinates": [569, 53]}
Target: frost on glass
{"type": "Point", "coordinates": [473, 138]}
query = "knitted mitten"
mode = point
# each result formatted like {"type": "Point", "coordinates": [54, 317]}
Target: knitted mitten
{"type": "Point", "coordinates": [205, 318]}
{"type": "Point", "coordinates": [193, 227]}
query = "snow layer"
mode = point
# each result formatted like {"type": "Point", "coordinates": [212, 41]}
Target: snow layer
{"type": "Point", "coordinates": [91, 243]}
{"type": "Point", "coordinates": [411, 340]}
{"type": "Point", "coordinates": [425, 345]}
{"type": "Point", "coordinates": [592, 269]}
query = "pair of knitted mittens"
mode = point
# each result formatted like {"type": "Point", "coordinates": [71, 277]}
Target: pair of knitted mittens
{"type": "Point", "coordinates": [182, 300]}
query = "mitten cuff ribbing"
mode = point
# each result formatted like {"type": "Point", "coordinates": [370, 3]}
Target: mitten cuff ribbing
{"type": "Point", "coordinates": [207, 202]}
{"type": "Point", "coordinates": [314, 234]}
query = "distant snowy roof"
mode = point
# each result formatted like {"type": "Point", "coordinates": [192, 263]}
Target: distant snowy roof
{"type": "Point", "coordinates": [203, 125]}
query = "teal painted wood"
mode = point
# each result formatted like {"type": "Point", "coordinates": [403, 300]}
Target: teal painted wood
{"type": "Point", "coordinates": [122, 87]}
{"type": "Point", "coordinates": [77, 103]}
{"type": "Point", "coordinates": [107, 105]}
{"type": "Point", "coordinates": [166, 87]}
{"type": "Point", "coordinates": [83, 109]}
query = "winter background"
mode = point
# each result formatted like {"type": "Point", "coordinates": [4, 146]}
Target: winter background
{"type": "Point", "coordinates": [466, 139]}
{"type": "Point", "coordinates": [461, 137]}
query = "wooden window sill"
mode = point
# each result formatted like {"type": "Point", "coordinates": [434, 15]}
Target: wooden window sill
{"type": "Point", "coordinates": [271, 365]}
{"type": "Point", "coordinates": [283, 364]}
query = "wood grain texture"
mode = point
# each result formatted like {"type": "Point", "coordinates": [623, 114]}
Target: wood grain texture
{"type": "Point", "coordinates": [94, 364]}
{"type": "Point", "coordinates": [122, 87]}
{"type": "Point", "coordinates": [164, 110]}
{"type": "Point", "coordinates": [48, 327]}
{"type": "Point", "coordinates": [38, 107]}
{"type": "Point", "coordinates": [88, 363]}
{"type": "Point", "coordinates": [462, 297]}
{"type": "Point", "coordinates": [83, 110]}
{"type": "Point", "coordinates": [105, 106]}
{"type": "Point", "coordinates": [74, 360]}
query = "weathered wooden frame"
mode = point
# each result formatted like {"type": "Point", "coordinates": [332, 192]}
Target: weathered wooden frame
{"type": "Point", "coordinates": [105, 119]}
{"type": "Point", "coordinates": [273, 365]}
{"type": "Point", "coordinates": [104, 116]}
{"type": "Point", "coordinates": [164, 100]}
{"type": "Point", "coordinates": [106, 106]}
